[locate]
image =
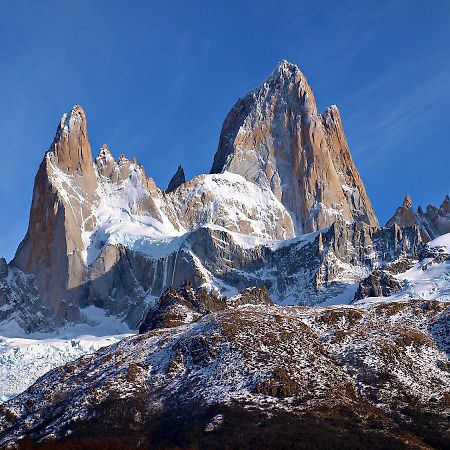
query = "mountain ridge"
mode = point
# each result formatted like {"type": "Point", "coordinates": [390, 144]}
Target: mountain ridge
{"type": "Point", "coordinates": [97, 220]}
{"type": "Point", "coordinates": [262, 302]}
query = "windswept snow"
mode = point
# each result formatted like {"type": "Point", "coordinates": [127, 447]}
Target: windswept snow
{"type": "Point", "coordinates": [121, 219]}
{"type": "Point", "coordinates": [442, 242]}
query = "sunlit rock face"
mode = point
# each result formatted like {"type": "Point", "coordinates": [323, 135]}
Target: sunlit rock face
{"type": "Point", "coordinates": [61, 212]}
{"type": "Point", "coordinates": [276, 138]}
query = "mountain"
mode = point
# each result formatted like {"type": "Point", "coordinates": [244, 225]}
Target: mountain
{"type": "Point", "coordinates": [272, 308]}
{"type": "Point", "coordinates": [276, 138]}
{"type": "Point", "coordinates": [433, 222]}
{"type": "Point", "coordinates": [284, 208]}
{"type": "Point", "coordinates": [102, 235]}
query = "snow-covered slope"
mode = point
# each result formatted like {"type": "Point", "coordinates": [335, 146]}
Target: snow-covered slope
{"type": "Point", "coordinates": [126, 213]}
{"type": "Point", "coordinates": [226, 200]}
{"type": "Point", "coordinates": [229, 200]}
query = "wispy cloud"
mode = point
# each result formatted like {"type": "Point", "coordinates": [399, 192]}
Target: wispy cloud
{"type": "Point", "coordinates": [397, 101]}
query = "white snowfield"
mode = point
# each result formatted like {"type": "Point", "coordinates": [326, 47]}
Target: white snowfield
{"type": "Point", "coordinates": [23, 360]}
{"type": "Point", "coordinates": [228, 200]}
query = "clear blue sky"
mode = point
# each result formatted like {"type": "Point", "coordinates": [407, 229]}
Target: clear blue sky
{"type": "Point", "coordinates": [157, 78]}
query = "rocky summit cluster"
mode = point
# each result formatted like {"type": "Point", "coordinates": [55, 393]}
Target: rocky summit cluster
{"type": "Point", "coordinates": [267, 307]}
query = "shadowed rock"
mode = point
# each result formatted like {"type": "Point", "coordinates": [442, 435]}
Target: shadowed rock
{"type": "Point", "coordinates": [380, 283]}
{"type": "Point", "coordinates": [432, 223]}
{"type": "Point", "coordinates": [186, 305]}
{"type": "Point", "coordinates": [177, 180]}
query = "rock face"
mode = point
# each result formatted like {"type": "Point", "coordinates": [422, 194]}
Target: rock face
{"type": "Point", "coordinates": [307, 270]}
{"type": "Point", "coordinates": [276, 138]}
{"type": "Point", "coordinates": [380, 283]}
{"type": "Point", "coordinates": [177, 180]}
{"type": "Point", "coordinates": [61, 212]}
{"type": "Point", "coordinates": [181, 306]}
{"type": "Point", "coordinates": [319, 376]}
{"type": "Point", "coordinates": [20, 302]}
{"type": "Point", "coordinates": [432, 223]}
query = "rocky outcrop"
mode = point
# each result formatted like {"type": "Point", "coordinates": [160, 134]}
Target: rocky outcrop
{"type": "Point", "coordinates": [186, 305]}
{"type": "Point", "coordinates": [276, 138]}
{"type": "Point", "coordinates": [61, 212]}
{"type": "Point", "coordinates": [433, 222]}
{"type": "Point", "coordinates": [380, 283]}
{"type": "Point", "coordinates": [20, 303]}
{"type": "Point", "coordinates": [251, 296]}
{"type": "Point", "coordinates": [181, 306]}
{"type": "Point", "coordinates": [177, 180]}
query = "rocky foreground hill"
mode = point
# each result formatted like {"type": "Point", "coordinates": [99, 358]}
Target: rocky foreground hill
{"type": "Point", "coordinates": [251, 376]}
{"type": "Point", "coordinates": [273, 310]}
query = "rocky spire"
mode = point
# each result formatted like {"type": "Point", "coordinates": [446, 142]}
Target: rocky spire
{"type": "Point", "coordinates": [432, 223]}
{"type": "Point", "coordinates": [70, 150]}
{"type": "Point", "coordinates": [407, 202]}
{"type": "Point", "coordinates": [275, 137]}
{"type": "Point", "coordinates": [177, 180]}
{"type": "Point", "coordinates": [404, 215]}
{"type": "Point", "coordinates": [445, 206]}
{"type": "Point", "coordinates": [105, 162]}
{"type": "Point", "coordinates": [53, 247]}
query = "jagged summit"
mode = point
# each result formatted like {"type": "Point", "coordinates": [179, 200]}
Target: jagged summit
{"type": "Point", "coordinates": [407, 202]}
{"type": "Point", "coordinates": [286, 71]}
{"type": "Point", "coordinates": [104, 152]}
{"type": "Point", "coordinates": [177, 180]}
{"type": "Point", "coordinates": [432, 223]}
{"type": "Point", "coordinates": [76, 114]}
{"type": "Point", "coordinates": [274, 137]}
